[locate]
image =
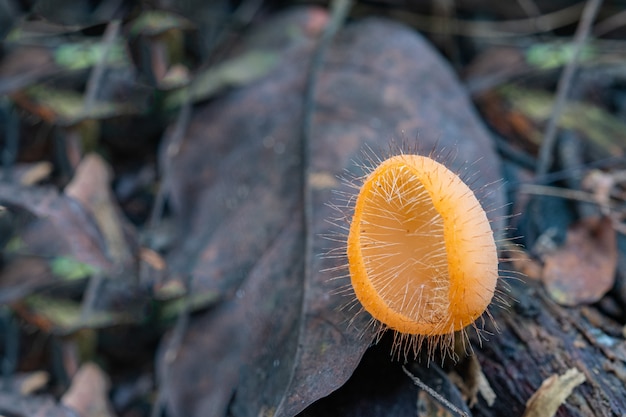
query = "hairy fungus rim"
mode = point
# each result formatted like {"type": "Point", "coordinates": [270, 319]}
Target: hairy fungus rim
{"type": "Point", "coordinates": [471, 250]}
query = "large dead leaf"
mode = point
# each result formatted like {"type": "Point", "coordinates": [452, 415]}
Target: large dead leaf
{"type": "Point", "coordinates": [277, 339]}
{"type": "Point", "coordinates": [553, 392]}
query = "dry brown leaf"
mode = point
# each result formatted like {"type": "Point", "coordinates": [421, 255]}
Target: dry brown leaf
{"type": "Point", "coordinates": [582, 270]}
{"type": "Point", "coordinates": [91, 187]}
{"type": "Point", "coordinates": [34, 382]}
{"type": "Point", "coordinates": [277, 339]}
{"type": "Point", "coordinates": [88, 394]}
{"type": "Point", "coordinates": [553, 392]}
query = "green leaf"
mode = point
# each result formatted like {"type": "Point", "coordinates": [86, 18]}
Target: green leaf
{"type": "Point", "coordinates": [76, 56]}
{"type": "Point", "coordinates": [556, 54]}
{"type": "Point", "coordinates": [172, 308]}
{"type": "Point", "coordinates": [597, 125]}
{"type": "Point", "coordinates": [69, 269]}
{"type": "Point", "coordinates": [234, 72]}
{"type": "Point", "coordinates": [66, 315]}
{"type": "Point", "coordinates": [69, 106]}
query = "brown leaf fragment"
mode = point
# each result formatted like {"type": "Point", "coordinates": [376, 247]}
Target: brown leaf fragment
{"type": "Point", "coordinates": [88, 394]}
{"type": "Point", "coordinates": [63, 227]}
{"type": "Point", "coordinates": [91, 187]}
{"type": "Point", "coordinates": [34, 381]}
{"type": "Point", "coordinates": [583, 269]}
{"type": "Point", "coordinates": [552, 393]}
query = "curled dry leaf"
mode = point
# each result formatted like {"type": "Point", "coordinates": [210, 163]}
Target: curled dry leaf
{"type": "Point", "coordinates": [277, 339]}
{"type": "Point", "coordinates": [552, 393]}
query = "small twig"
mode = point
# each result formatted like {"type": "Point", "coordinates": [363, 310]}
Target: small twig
{"type": "Point", "coordinates": [566, 193]}
{"type": "Point", "coordinates": [488, 29]}
{"type": "Point", "coordinates": [565, 83]}
{"type": "Point", "coordinates": [157, 404]}
{"type": "Point", "coordinates": [97, 72]}
{"type": "Point", "coordinates": [611, 23]}
{"type": "Point", "coordinates": [173, 346]}
{"type": "Point", "coordinates": [422, 385]}
{"type": "Point", "coordinates": [90, 296]}
{"type": "Point", "coordinates": [172, 143]}
{"type": "Point", "coordinates": [533, 12]}
{"type": "Point", "coordinates": [338, 13]}
{"type": "Point", "coordinates": [576, 171]}
{"type": "Point", "coordinates": [240, 17]}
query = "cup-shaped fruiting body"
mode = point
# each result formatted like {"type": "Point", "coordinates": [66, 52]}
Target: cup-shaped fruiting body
{"type": "Point", "coordinates": [421, 252]}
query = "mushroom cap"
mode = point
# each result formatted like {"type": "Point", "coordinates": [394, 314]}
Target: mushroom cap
{"type": "Point", "coordinates": [421, 252]}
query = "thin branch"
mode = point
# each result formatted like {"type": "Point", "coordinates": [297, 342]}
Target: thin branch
{"type": "Point", "coordinates": [90, 297]}
{"type": "Point", "coordinates": [533, 12]}
{"type": "Point", "coordinates": [440, 398]}
{"type": "Point", "coordinates": [564, 86]}
{"type": "Point", "coordinates": [97, 72]}
{"type": "Point", "coordinates": [172, 142]}
{"type": "Point", "coordinates": [611, 23]}
{"type": "Point", "coordinates": [566, 193]}
{"type": "Point", "coordinates": [486, 29]}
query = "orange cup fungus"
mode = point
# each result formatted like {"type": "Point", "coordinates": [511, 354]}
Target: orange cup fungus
{"type": "Point", "coordinates": [422, 255]}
